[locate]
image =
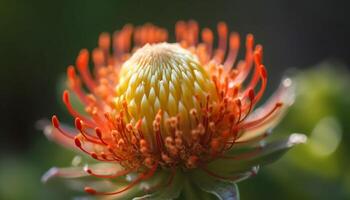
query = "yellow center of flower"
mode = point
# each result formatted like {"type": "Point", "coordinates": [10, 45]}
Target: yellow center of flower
{"type": "Point", "coordinates": [162, 77]}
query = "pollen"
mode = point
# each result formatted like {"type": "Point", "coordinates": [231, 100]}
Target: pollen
{"type": "Point", "coordinates": [163, 77]}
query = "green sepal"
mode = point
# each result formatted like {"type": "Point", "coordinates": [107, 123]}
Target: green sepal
{"type": "Point", "coordinates": [193, 192]}
{"type": "Point", "coordinates": [167, 192]}
{"type": "Point", "coordinates": [222, 189]}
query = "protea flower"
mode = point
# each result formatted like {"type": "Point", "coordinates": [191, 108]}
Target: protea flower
{"type": "Point", "coordinates": [165, 120]}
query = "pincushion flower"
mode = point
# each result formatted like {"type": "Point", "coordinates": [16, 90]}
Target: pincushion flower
{"type": "Point", "coordinates": [166, 120]}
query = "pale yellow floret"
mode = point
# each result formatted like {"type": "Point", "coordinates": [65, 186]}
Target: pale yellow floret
{"type": "Point", "coordinates": [163, 76]}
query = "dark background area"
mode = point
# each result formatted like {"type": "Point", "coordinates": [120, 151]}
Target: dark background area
{"type": "Point", "coordinates": [39, 39]}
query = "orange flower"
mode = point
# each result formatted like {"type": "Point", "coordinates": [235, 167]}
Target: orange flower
{"type": "Point", "coordinates": [154, 106]}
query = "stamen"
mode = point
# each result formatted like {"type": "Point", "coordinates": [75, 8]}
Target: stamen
{"type": "Point", "coordinates": [194, 30]}
{"type": "Point", "coordinates": [98, 59]}
{"type": "Point", "coordinates": [244, 71]}
{"type": "Point", "coordinates": [263, 75]}
{"type": "Point", "coordinates": [156, 129]}
{"type": "Point", "coordinates": [207, 37]}
{"type": "Point", "coordinates": [234, 134]}
{"type": "Point", "coordinates": [257, 59]}
{"type": "Point", "coordinates": [180, 28]}
{"type": "Point", "coordinates": [232, 55]}
{"type": "Point", "coordinates": [70, 108]}
{"type": "Point", "coordinates": [255, 122]}
{"type": "Point", "coordinates": [78, 143]}
{"type": "Point", "coordinates": [251, 96]}
{"type": "Point", "coordinates": [82, 65]}
{"type": "Point", "coordinates": [222, 32]}
{"type": "Point", "coordinates": [239, 105]}
{"type": "Point", "coordinates": [56, 124]}
{"type": "Point", "coordinates": [104, 42]}
{"type": "Point", "coordinates": [116, 175]}
{"type": "Point", "coordinates": [75, 84]}
{"type": "Point", "coordinates": [122, 40]}
{"type": "Point", "coordinates": [99, 135]}
{"type": "Point", "coordinates": [79, 126]}
{"type": "Point", "coordinates": [143, 176]}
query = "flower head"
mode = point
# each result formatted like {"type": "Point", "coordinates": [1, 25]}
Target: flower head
{"type": "Point", "coordinates": [153, 107]}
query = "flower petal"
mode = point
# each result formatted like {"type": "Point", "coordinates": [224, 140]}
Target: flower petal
{"type": "Point", "coordinates": [232, 177]}
{"type": "Point", "coordinates": [193, 192]}
{"type": "Point", "coordinates": [69, 172]}
{"type": "Point", "coordinates": [128, 194]}
{"type": "Point", "coordinates": [266, 154]}
{"type": "Point", "coordinates": [285, 94]}
{"type": "Point", "coordinates": [139, 190]}
{"type": "Point", "coordinates": [79, 172]}
{"type": "Point", "coordinates": [77, 179]}
{"type": "Point", "coordinates": [55, 135]}
{"type": "Point", "coordinates": [104, 185]}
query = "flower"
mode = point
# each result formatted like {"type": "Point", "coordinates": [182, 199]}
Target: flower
{"type": "Point", "coordinates": [180, 114]}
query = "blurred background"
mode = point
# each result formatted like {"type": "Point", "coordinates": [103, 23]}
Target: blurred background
{"type": "Point", "coordinates": [39, 39]}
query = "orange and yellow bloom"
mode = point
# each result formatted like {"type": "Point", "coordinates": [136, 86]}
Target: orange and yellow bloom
{"type": "Point", "coordinates": [160, 114]}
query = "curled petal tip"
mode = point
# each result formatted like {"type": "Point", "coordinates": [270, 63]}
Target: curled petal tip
{"type": "Point", "coordinates": [255, 170]}
{"type": "Point", "coordinates": [45, 126]}
{"type": "Point", "coordinates": [288, 96]}
{"type": "Point", "coordinates": [86, 168]}
{"type": "Point", "coordinates": [296, 138]}
{"type": "Point", "coordinates": [49, 174]}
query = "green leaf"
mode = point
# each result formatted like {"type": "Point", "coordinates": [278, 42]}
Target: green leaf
{"type": "Point", "coordinates": [167, 192]}
{"type": "Point", "coordinates": [193, 192]}
{"type": "Point", "coordinates": [223, 190]}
